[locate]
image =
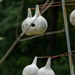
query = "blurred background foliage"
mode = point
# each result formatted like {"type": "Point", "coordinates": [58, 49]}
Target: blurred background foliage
{"type": "Point", "coordinates": [25, 51]}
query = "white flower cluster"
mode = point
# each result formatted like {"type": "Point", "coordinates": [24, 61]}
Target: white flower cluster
{"type": "Point", "coordinates": [38, 23]}
{"type": "Point", "coordinates": [34, 70]}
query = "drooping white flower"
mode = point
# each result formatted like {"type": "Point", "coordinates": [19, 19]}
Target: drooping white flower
{"type": "Point", "coordinates": [1, 0]}
{"type": "Point", "coordinates": [46, 70]}
{"type": "Point", "coordinates": [72, 17]}
{"type": "Point", "coordinates": [31, 69]}
{"type": "Point", "coordinates": [27, 21]}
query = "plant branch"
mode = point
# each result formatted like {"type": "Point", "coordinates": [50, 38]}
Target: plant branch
{"type": "Point", "coordinates": [18, 38]}
{"type": "Point", "coordinates": [18, 17]}
{"type": "Point", "coordinates": [48, 33]}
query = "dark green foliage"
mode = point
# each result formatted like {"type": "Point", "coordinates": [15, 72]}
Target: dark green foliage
{"type": "Point", "coordinates": [25, 51]}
